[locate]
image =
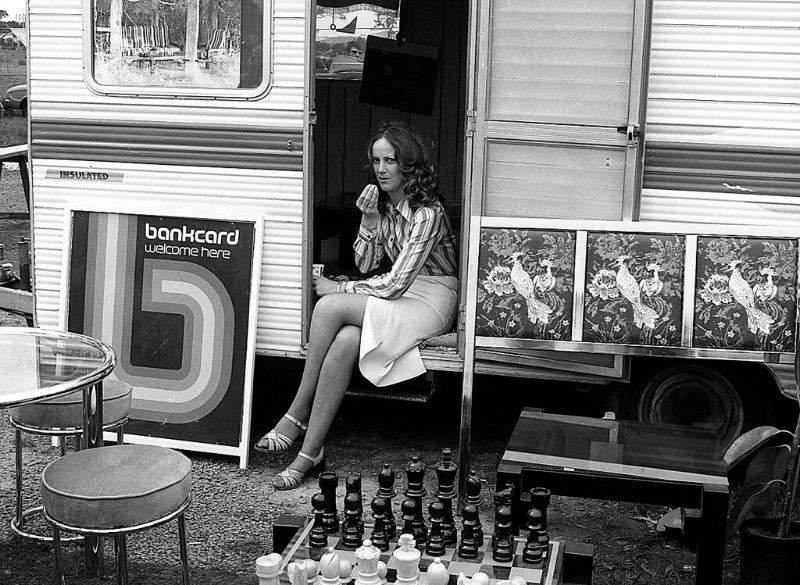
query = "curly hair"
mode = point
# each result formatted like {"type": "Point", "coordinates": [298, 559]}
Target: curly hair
{"type": "Point", "coordinates": [419, 171]}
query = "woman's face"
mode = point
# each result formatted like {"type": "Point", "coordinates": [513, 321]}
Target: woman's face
{"type": "Point", "coordinates": [387, 169]}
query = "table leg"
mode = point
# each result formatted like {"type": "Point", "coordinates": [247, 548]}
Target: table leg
{"type": "Point", "coordinates": [93, 437]}
{"type": "Point", "coordinates": [711, 545]}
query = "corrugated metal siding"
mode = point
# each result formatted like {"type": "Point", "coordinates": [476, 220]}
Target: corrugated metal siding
{"type": "Point", "coordinates": [723, 119]}
{"type": "Point", "coordinates": [560, 63]}
{"type": "Point", "coordinates": [61, 99]}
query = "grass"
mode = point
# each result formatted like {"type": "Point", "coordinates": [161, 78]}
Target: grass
{"type": "Point", "coordinates": [13, 130]}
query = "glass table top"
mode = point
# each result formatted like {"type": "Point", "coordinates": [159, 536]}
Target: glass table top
{"type": "Point", "coordinates": [36, 364]}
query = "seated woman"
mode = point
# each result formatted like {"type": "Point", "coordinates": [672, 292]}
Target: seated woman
{"type": "Point", "coordinates": [380, 321]}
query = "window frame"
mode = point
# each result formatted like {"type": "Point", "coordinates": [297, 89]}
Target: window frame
{"type": "Point", "coordinates": [145, 91]}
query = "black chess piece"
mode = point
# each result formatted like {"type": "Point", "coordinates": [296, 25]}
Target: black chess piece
{"type": "Point", "coordinates": [446, 477]}
{"type": "Point", "coordinates": [473, 497]}
{"type": "Point", "coordinates": [415, 490]}
{"type": "Point", "coordinates": [317, 538]}
{"type": "Point", "coordinates": [411, 523]}
{"type": "Point", "coordinates": [352, 531]}
{"type": "Point", "coordinates": [532, 551]}
{"type": "Point", "coordinates": [387, 492]}
{"type": "Point", "coordinates": [468, 547]}
{"type": "Point", "coordinates": [540, 498]}
{"type": "Point", "coordinates": [378, 536]}
{"type": "Point", "coordinates": [435, 543]}
{"type": "Point", "coordinates": [503, 542]}
{"type": "Point", "coordinates": [328, 481]}
{"type": "Point", "coordinates": [352, 485]}
{"type": "Point", "coordinates": [503, 497]}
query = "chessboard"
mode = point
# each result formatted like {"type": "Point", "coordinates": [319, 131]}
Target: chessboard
{"type": "Point", "coordinates": [546, 572]}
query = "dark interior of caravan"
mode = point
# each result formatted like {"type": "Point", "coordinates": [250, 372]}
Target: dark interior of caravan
{"type": "Point", "coordinates": [350, 105]}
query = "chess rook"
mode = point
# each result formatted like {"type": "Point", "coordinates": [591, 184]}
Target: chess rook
{"type": "Point", "coordinates": [268, 568]}
{"type": "Point", "coordinates": [328, 481]}
{"type": "Point", "coordinates": [540, 498]}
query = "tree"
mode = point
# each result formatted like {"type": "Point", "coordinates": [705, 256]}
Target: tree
{"type": "Point", "coordinates": [3, 14]}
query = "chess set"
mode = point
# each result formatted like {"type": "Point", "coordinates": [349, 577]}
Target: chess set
{"type": "Point", "coordinates": [411, 549]}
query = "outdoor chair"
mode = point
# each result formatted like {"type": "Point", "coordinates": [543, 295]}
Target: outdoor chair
{"type": "Point", "coordinates": [114, 491]}
{"type": "Point", "coordinates": [148, 41]}
{"type": "Point", "coordinates": [62, 417]}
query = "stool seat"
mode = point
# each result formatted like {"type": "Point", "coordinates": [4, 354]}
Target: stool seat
{"type": "Point", "coordinates": [66, 412]}
{"type": "Point", "coordinates": [115, 487]}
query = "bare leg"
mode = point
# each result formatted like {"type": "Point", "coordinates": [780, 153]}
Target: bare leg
{"type": "Point", "coordinates": [331, 313]}
{"type": "Point", "coordinates": [334, 378]}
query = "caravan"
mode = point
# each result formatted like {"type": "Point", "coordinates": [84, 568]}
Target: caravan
{"type": "Point", "coordinates": [625, 110]}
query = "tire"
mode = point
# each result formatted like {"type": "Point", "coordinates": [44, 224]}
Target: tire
{"type": "Point", "coordinates": [693, 395]}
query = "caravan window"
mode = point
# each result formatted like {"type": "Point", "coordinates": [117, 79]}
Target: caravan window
{"type": "Point", "coordinates": [175, 47]}
{"type": "Point", "coordinates": [342, 30]}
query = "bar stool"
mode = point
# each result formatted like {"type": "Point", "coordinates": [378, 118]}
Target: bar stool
{"type": "Point", "coordinates": [63, 417]}
{"type": "Point", "coordinates": [116, 490]}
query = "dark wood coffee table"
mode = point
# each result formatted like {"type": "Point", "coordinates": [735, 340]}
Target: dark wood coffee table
{"type": "Point", "coordinates": [626, 461]}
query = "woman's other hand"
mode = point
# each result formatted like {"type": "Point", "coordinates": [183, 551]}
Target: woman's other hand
{"type": "Point", "coordinates": [325, 286]}
{"type": "Point", "coordinates": [367, 203]}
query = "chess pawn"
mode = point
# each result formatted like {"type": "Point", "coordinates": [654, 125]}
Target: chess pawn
{"type": "Point", "coordinates": [268, 568]}
{"type": "Point", "coordinates": [408, 511]}
{"type": "Point", "coordinates": [503, 545]}
{"type": "Point", "coordinates": [532, 551]}
{"type": "Point", "coordinates": [345, 570]}
{"type": "Point", "coordinates": [387, 492]}
{"type": "Point", "coordinates": [368, 557]}
{"type": "Point", "coordinates": [318, 538]}
{"type": "Point", "coordinates": [378, 535]}
{"type": "Point", "coordinates": [468, 547]}
{"type": "Point", "coordinates": [297, 573]}
{"type": "Point", "coordinates": [352, 531]}
{"type": "Point", "coordinates": [328, 481]}
{"type": "Point", "coordinates": [435, 543]}
{"type": "Point", "coordinates": [329, 568]}
{"type": "Point", "coordinates": [540, 498]}
{"type": "Point", "coordinates": [352, 485]}
{"type": "Point", "coordinates": [437, 573]}
{"type": "Point", "coordinates": [406, 558]}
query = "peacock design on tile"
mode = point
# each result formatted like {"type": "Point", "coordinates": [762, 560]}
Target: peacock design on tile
{"type": "Point", "coordinates": [545, 282]}
{"type": "Point", "coordinates": [742, 293]}
{"type": "Point", "coordinates": [538, 312]}
{"type": "Point", "coordinates": [766, 291]}
{"type": "Point", "coordinates": [643, 316]}
{"type": "Point", "coordinates": [652, 285]}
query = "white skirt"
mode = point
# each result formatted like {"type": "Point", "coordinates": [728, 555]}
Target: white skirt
{"type": "Point", "coordinates": [393, 329]}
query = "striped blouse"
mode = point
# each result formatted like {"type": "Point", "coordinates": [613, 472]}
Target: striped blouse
{"type": "Point", "coordinates": [417, 242]}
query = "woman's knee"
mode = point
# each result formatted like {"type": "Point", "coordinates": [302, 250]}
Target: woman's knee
{"type": "Point", "coordinates": [348, 339]}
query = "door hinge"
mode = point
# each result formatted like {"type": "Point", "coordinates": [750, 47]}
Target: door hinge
{"type": "Point", "coordinates": [471, 123]}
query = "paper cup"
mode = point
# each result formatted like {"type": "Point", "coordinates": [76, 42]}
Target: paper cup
{"type": "Point", "coordinates": [316, 269]}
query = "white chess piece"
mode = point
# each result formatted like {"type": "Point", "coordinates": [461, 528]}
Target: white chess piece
{"type": "Point", "coordinates": [345, 570]}
{"type": "Point", "coordinates": [368, 557]}
{"type": "Point", "coordinates": [267, 569]}
{"type": "Point", "coordinates": [437, 573]}
{"type": "Point", "coordinates": [296, 571]}
{"type": "Point", "coordinates": [480, 578]}
{"type": "Point", "coordinates": [329, 568]}
{"type": "Point", "coordinates": [407, 559]}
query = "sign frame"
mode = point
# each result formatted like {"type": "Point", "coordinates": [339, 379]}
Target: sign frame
{"type": "Point", "coordinates": [172, 212]}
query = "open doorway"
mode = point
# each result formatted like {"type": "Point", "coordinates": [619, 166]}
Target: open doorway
{"type": "Point", "coordinates": [345, 123]}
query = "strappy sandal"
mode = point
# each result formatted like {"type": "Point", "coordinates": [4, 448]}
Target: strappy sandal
{"type": "Point", "coordinates": [291, 478]}
{"type": "Point", "coordinates": [275, 441]}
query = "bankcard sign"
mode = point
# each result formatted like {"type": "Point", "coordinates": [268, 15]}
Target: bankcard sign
{"type": "Point", "coordinates": [174, 297]}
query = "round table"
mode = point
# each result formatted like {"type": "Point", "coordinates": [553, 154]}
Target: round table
{"type": "Point", "coordinates": [38, 364]}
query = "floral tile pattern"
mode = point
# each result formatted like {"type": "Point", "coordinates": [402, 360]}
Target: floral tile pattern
{"type": "Point", "coordinates": [745, 293]}
{"type": "Point", "coordinates": [526, 283]}
{"type": "Point", "coordinates": [634, 288]}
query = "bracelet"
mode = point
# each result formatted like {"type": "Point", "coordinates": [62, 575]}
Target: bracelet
{"type": "Point", "coordinates": [339, 286]}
